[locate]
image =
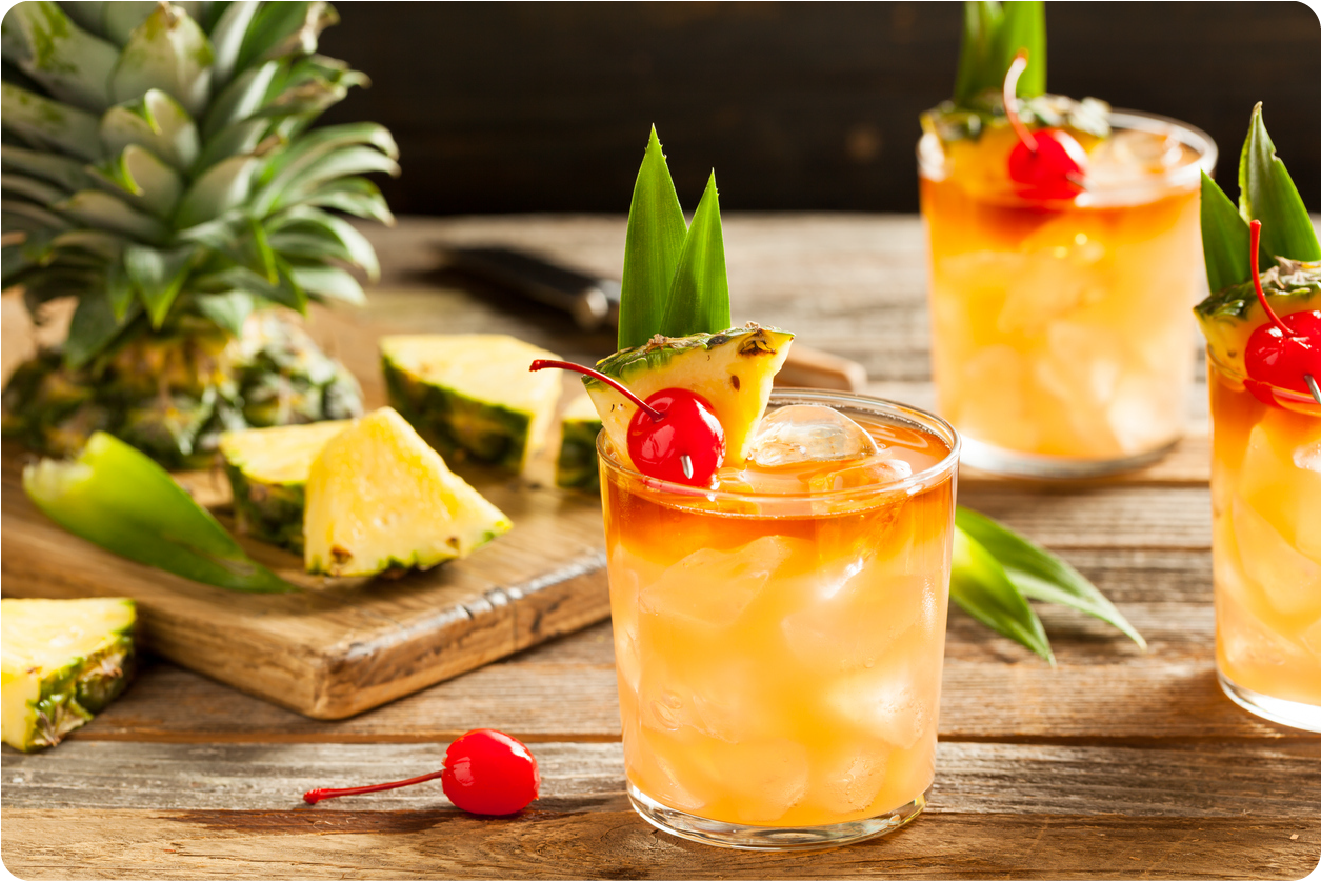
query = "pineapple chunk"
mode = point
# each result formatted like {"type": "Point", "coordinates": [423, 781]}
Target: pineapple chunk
{"type": "Point", "coordinates": [473, 395]}
{"type": "Point", "coordinates": [379, 498]}
{"type": "Point", "coordinates": [1228, 317]}
{"type": "Point", "coordinates": [576, 465]}
{"type": "Point", "coordinates": [62, 662]}
{"type": "Point", "coordinates": [733, 370]}
{"type": "Point", "coordinates": [267, 470]}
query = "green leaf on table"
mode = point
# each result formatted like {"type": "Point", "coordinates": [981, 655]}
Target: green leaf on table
{"type": "Point", "coordinates": [114, 496]}
{"type": "Point", "coordinates": [979, 584]}
{"type": "Point", "coordinates": [993, 33]}
{"type": "Point", "coordinates": [698, 300]}
{"type": "Point", "coordinates": [1225, 240]}
{"type": "Point", "coordinates": [1268, 194]}
{"type": "Point", "coordinates": [1039, 574]}
{"type": "Point", "coordinates": [655, 238]}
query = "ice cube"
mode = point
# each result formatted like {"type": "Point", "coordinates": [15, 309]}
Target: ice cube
{"type": "Point", "coordinates": [711, 588]}
{"type": "Point", "coordinates": [1127, 157]}
{"type": "Point", "coordinates": [1308, 456]}
{"type": "Point", "coordinates": [894, 701]}
{"type": "Point", "coordinates": [1064, 269]}
{"type": "Point", "coordinates": [1145, 412]}
{"type": "Point", "coordinates": [810, 433]}
{"type": "Point", "coordinates": [1311, 638]}
{"type": "Point", "coordinates": [851, 779]}
{"type": "Point", "coordinates": [1290, 581]}
{"type": "Point", "coordinates": [854, 627]}
{"type": "Point", "coordinates": [766, 777]}
{"type": "Point", "coordinates": [991, 401]}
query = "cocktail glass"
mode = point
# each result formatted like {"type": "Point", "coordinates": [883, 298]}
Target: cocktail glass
{"type": "Point", "coordinates": [1061, 337]}
{"type": "Point", "coordinates": [779, 639]}
{"type": "Point", "coordinates": [1266, 545]}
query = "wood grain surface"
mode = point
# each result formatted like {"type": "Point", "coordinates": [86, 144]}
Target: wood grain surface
{"type": "Point", "coordinates": [1117, 763]}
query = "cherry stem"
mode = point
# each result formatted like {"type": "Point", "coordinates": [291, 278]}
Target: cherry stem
{"type": "Point", "coordinates": [315, 795]}
{"type": "Point", "coordinates": [1016, 68]}
{"type": "Point", "coordinates": [543, 363]}
{"type": "Point", "coordinates": [1254, 240]}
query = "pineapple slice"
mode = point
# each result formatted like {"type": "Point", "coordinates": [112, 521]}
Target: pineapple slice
{"type": "Point", "coordinates": [1228, 317]}
{"type": "Point", "coordinates": [472, 394]}
{"type": "Point", "coordinates": [733, 370]}
{"type": "Point", "coordinates": [267, 470]}
{"type": "Point", "coordinates": [61, 662]}
{"type": "Point", "coordinates": [379, 498]}
{"type": "Point", "coordinates": [576, 465]}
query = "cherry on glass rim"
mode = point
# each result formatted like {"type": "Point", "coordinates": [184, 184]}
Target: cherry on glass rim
{"type": "Point", "coordinates": [486, 772]}
{"type": "Point", "coordinates": [1284, 353]}
{"type": "Point", "coordinates": [674, 435]}
{"type": "Point", "coordinates": [1049, 162]}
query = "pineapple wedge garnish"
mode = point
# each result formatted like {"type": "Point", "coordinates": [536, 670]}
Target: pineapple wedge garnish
{"type": "Point", "coordinates": [267, 470]}
{"type": "Point", "coordinates": [734, 371]}
{"type": "Point", "coordinates": [472, 395]}
{"type": "Point", "coordinates": [380, 499]}
{"type": "Point", "coordinates": [576, 465]}
{"type": "Point", "coordinates": [63, 661]}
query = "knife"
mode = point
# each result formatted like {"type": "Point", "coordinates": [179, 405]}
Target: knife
{"type": "Point", "coordinates": [593, 302]}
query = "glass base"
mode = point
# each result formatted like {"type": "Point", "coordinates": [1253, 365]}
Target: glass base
{"type": "Point", "coordinates": [1292, 713]}
{"type": "Point", "coordinates": [737, 835]}
{"type": "Point", "coordinates": [1010, 463]}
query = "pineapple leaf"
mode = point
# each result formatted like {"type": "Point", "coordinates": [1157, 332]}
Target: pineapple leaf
{"type": "Point", "coordinates": [1039, 574]}
{"type": "Point", "coordinates": [121, 17]}
{"type": "Point", "coordinates": [328, 281]}
{"type": "Point", "coordinates": [42, 122]}
{"type": "Point", "coordinates": [25, 215]}
{"type": "Point", "coordinates": [157, 122]}
{"type": "Point", "coordinates": [167, 51]}
{"type": "Point", "coordinates": [119, 290]}
{"type": "Point", "coordinates": [311, 234]}
{"type": "Point", "coordinates": [158, 275]}
{"type": "Point", "coordinates": [68, 173]}
{"type": "Point", "coordinates": [144, 179]}
{"type": "Point", "coordinates": [72, 65]}
{"type": "Point", "coordinates": [980, 586]}
{"type": "Point", "coordinates": [352, 195]}
{"type": "Point", "coordinates": [316, 144]}
{"type": "Point", "coordinates": [227, 39]}
{"type": "Point", "coordinates": [1268, 194]}
{"type": "Point", "coordinates": [1225, 242]}
{"type": "Point", "coordinates": [240, 99]}
{"type": "Point", "coordinates": [97, 209]}
{"type": "Point", "coordinates": [38, 191]}
{"type": "Point", "coordinates": [281, 29]}
{"type": "Point", "coordinates": [345, 161]}
{"type": "Point", "coordinates": [105, 245]}
{"type": "Point", "coordinates": [93, 327]}
{"type": "Point", "coordinates": [241, 137]}
{"type": "Point", "coordinates": [227, 310]}
{"type": "Point", "coordinates": [262, 257]}
{"type": "Point", "coordinates": [992, 35]}
{"type": "Point", "coordinates": [652, 245]}
{"type": "Point", "coordinates": [88, 14]}
{"type": "Point", "coordinates": [223, 186]}
{"type": "Point", "coordinates": [698, 301]}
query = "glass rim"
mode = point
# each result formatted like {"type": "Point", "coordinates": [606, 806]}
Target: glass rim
{"type": "Point", "coordinates": [1301, 399]}
{"type": "Point", "coordinates": [1136, 120]}
{"type": "Point", "coordinates": [904, 413]}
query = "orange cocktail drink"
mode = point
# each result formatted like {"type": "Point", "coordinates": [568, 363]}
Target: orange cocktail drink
{"type": "Point", "coordinates": [779, 637]}
{"type": "Point", "coordinates": [1061, 339]}
{"type": "Point", "coordinates": [1266, 543]}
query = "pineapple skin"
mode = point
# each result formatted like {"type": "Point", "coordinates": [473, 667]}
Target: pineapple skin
{"type": "Point", "coordinates": [41, 706]}
{"type": "Point", "coordinates": [577, 466]}
{"type": "Point", "coordinates": [271, 512]}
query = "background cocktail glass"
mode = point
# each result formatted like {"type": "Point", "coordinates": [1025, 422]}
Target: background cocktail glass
{"type": "Point", "coordinates": [1266, 544]}
{"type": "Point", "coordinates": [779, 655]}
{"type": "Point", "coordinates": [1062, 344]}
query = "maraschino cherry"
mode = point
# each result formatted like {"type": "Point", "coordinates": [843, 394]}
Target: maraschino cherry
{"type": "Point", "coordinates": [1284, 353]}
{"type": "Point", "coordinates": [1047, 163]}
{"type": "Point", "coordinates": [674, 435]}
{"type": "Point", "coordinates": [486, 772]}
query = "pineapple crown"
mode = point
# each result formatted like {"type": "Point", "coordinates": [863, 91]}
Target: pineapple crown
{"type": "Point", "coordinates": [157, 164]}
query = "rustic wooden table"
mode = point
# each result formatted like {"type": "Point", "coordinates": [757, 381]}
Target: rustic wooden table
{"type": "Point", "coordinates": [1115, 764]}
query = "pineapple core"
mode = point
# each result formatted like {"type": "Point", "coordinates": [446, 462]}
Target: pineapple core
{"type": "Point", "coordinates": [379, 498]}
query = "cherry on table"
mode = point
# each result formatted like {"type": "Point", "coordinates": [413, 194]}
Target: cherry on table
{"type": "Point", "coordinates": [1284, 353]}
{"type": "Point", "coordinates": [674, 435]}
{"type": "Point", "coordinates": [1048, 163]}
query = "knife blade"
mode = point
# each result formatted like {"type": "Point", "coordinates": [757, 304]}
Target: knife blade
{"type": "Point", "coordinates": [593, 303]}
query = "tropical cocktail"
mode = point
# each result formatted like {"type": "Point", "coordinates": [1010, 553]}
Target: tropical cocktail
{"type": "Point", "coordinates": [1263, 331]}
{"type": "Point", "coordinates": [779, 635]}
{"type": "Point", "coordinates": [1063, 255]}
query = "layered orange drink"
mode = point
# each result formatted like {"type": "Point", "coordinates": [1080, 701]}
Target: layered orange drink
{"type": "Point", "coordinates": [779, 633]}
{"type": "Point", "coordinates": [1060, 335]}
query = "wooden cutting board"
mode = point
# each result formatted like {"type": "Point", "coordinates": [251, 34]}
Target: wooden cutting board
{"type": "Point", "coordinates": [338, 647]}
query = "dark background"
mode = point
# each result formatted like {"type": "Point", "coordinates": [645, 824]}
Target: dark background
{"type": "Point", "coordinates": [514, 107]}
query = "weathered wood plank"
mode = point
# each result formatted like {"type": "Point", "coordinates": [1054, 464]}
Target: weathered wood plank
{"type": "Point", "coordinates": [1205, 780]}
{"type": "Point", "coordinates": [613, 842]}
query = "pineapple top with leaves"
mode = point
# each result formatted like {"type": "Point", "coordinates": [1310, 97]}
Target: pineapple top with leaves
{"type": "Point", "coordinates": [158, 165]}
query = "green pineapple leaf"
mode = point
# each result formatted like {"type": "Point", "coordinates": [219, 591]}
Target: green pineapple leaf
{"type": "Point", "coordinates": [980, 586]}
{"type": "Point", "coordinates": [1225, 242]}
{"type": "Point", "coordinates": [158, 275]}
{"type": "Point", "coordinates": [70, 64]}
{"type": "Point", "coordinates": [150, 184]}
{"type": "Point", "coordinates": [94, 325]}
{"type": "Point", "coordinates": [227, 310]}
{"type": "Point", "coordinates": [1039, 574]}
{"type": "Point", "coordinates": [993, 33]}
{"type": "Point", "coordinates": [698, 300]}
{"type": "Point", "coordinates": [114, 496]}
{"type": "Point", "coordinates": [167, 51]}
{"type": "Point", "coordinates": [41, 121]}
{"type": "Point", "coordinates": [157, 122]}
{"type": "Point", "coordinates": [652, 245]}
{"type": "Point", "coordinates": [227, 39]}
{"type": "Point", "coordinates": [96, 209]}
{"type": "Point", "coordinates": [1268, 194]}
{"type": "Point", "coordinates": [221, 187]}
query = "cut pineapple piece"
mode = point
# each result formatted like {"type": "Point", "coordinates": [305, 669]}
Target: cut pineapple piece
{"type": "Point", "coordinates": [733, 370]}
{"type": "Point", "coordinates": [473, 395]}
{"type": "Point", "coordinates": [576, 465]}
{"type": "Point", "coordinates": [267, 470]}
{"type": "Point", "coordinates": [379, 498]}
{"type": "Point", "coordinates": [1228, 317]}
{"type": "Point", "coordinates": [62, 662]}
